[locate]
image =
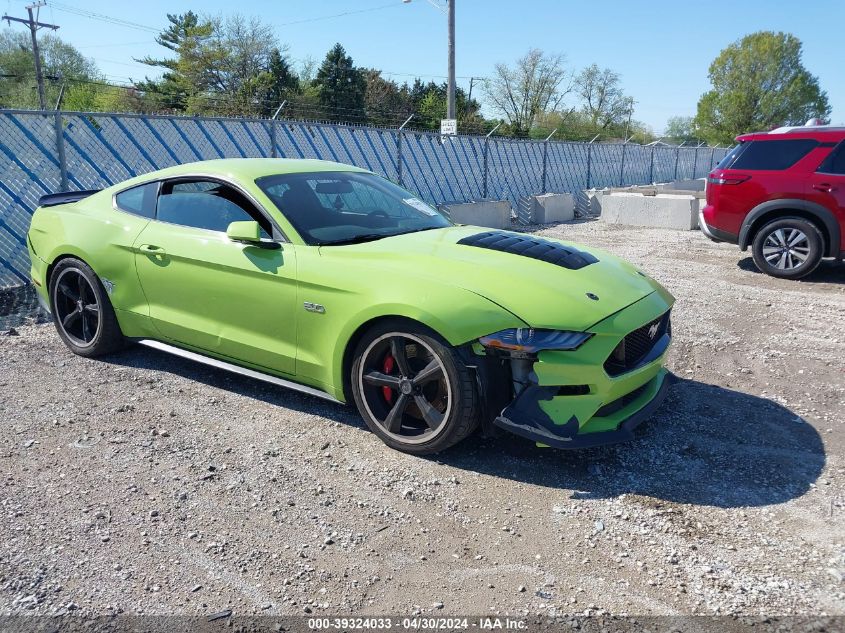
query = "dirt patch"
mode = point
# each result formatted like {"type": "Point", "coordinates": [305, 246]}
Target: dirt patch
{"type": "Point", "coordinates": [143, 483]}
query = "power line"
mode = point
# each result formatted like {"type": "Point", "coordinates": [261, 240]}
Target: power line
{"type": "Point", "coordinates": [118, 44]}
{"type": "Point", "coordinates": [150, 29]}
{"type": "Point", "coordinates": [102, 17]}
{"type": "Point", "coordinates": [345, 13]}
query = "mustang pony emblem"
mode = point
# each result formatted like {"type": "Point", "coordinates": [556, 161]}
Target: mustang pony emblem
{"type": "Point", "coordinates": [652, 331]}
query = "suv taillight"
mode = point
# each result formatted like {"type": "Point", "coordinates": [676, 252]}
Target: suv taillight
{"type": "Point", "coordinates": [717, 180]}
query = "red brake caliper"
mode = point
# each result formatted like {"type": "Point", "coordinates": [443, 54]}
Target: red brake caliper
{"type": "Point", "coordinates": [388, 366]}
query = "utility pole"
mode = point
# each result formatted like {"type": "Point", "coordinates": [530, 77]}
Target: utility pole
{"type": "Point", "coordinates": [450, 103]}
{"type": "Point", "coordinates": [472, 80]}
{"type": "Point", "coordinates": [34, 25]}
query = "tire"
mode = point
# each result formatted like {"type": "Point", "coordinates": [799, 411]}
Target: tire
{"type": "Point", "coordinates": [439, 406]}
{"type": "Point", "coordinates": [82, 312]}
{"type": "Point", "coordinates": [789, 248]}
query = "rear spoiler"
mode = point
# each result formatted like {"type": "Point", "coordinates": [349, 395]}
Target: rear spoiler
{"type": "Point", "coordinates": [65, 197]}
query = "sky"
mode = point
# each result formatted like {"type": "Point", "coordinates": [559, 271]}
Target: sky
{"type": "Point", "coordinates": [661, 49]}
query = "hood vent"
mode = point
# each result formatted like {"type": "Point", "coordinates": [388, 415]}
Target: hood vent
{"type": "Point", "coordinates": [533, 247]}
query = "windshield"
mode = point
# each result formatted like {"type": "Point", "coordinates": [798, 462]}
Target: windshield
{"type": "Point", "coordinates": [344, 207]}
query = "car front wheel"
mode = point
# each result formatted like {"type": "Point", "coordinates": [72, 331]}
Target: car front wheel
{"type": "Point", "coordinates": [789, 248]}
{"type": "Point", "coordinates": [412, 389]}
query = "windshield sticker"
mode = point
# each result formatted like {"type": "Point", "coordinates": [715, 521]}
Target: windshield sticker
{"type": "Point", "coordinates": [419, 205]}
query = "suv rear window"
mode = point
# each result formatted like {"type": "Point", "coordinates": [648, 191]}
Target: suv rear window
{"type": "Point", "coordinates": [771, 155]}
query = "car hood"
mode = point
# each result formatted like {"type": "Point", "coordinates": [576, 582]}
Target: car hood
{"type": "Point", "coordinates": [542, 294]}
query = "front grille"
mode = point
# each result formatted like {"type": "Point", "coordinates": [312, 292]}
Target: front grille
{"type": "Point", "coordinates": [635, 346]}
{"type": "Point", "coordinates": [620, 403]}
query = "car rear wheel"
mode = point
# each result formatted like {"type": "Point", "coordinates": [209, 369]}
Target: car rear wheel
{"type": "Point", "coordinates": [82, 312]}
{"type": "Point", "coordinates": [412, 389]}
{"type": "Point", "coordinates": [789, 248]}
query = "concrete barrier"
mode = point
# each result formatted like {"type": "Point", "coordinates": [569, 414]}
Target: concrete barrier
{"type": "Point", "coordinates": [494, 214]}
{"type": "Point", "coordinates": [552, 207]}
{"type": "Point", "coordinates": [683, 185]}
{"type": "Point", "coordinates": [594, 198]}
{"type": "Point", "coordinates": [667, 211]}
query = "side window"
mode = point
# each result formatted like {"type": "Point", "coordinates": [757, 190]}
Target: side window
{"type": "Point", "coordinates": [835, 161]}
{"type": "Point", "coordinates": [205, 204]}
{"type": "Point", "coordinates": [140, 200]}
{"type": "Point", "coordinates": [773, 155]}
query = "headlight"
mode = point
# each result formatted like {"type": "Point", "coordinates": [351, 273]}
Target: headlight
{"type": "Point", "coordinates": [532, 341]}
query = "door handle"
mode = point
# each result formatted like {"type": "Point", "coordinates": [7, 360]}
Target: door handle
{"type": "Point", "coordinates": [824, 186]}
{"type": "Point", "coordinates": [150, 249]}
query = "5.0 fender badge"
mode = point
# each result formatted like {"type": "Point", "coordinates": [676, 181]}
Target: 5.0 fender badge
{"type": "Point", "coordinates": [314, 307]}
{"type": "Point", "coordinates": [590, 295]}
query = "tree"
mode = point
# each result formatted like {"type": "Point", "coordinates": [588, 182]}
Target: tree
{"type": "Point", "coordinates": [679, 129]}
{"type": "Point", "coordinates": [282, 82]}
{"type": "Point", "coordinates": [759, 82]}
{"type": "Point", "coordinates": [342, 87]}
{"type": "Point", "coordinates": [186, 36]}
{"type": "Point", "coordinates": [536, 84]}
{"type": "Point", "coordinates": [238, 58]}
{"type": "Point", "coordinates": [428, 103]}
{"type": "Point", "coordinates": [221, 66]}
{"type": "Point", "coordinates": [602, 99]}
{"type": "Point", "coordinates": [61, 63]}
{"type": "Point", "coordinates": [385, 101]}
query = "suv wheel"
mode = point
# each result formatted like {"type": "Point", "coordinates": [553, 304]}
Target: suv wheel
{"type": "Point", "coordinates": [789, 248]}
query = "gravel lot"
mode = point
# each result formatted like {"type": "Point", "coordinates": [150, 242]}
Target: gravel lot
{"type": "Point", "coordinates": [143, 483]}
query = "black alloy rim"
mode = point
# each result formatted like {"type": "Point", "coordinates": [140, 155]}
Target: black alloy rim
{"type": "Point", "coordinates": [405, 388]}
{"type": "Point", "coordinates": [76, 307]}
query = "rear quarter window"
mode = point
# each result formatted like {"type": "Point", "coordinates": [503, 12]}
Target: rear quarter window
{"type": "Point", "coordinates": [730, 157]}
{"type": "Point", "coordinates": [835, 162]}
{"type": "Point", "coordinates": [772, 155]}
{"type": "Point", "coordinates": [139, 200]}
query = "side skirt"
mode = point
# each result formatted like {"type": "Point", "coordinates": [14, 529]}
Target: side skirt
{"type": "Point", "coordinates": [236, 369]}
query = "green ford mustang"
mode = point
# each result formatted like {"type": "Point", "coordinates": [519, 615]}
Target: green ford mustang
{"type": "Point", "coordinates": [331, 280]}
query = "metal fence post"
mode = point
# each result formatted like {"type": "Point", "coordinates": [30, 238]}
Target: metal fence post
{"type": "Point", "coordinates": [712, 159]}
{"type": "Point", "coordinates": [695, 163]}
{"type": "Point", "coordinates": [677, 156]}
{"type": "Point", "coordinates": [60, 148]}
{"type": "Point", "coordinates": [272, 125]}
{"type": "Point", "coordinates": [622, 166]}
{"type": "Point", "coordinates": [651, 167]}
{"type": "Point", "coordinates": [399, 149]}
{"type": "Point", "coordinates": [546, 158]}
{"type": "Point", "coordinates": [590, 159]}
{"type": "Point", "coordinates": [273, 128]}
{"type": "Point", "coordinates": [486, 150]}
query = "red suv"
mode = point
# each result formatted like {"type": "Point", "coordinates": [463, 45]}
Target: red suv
{"type": "Point", "coordinates": [783, 194]}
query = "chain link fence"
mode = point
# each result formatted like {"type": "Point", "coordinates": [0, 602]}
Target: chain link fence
{"type": "Point", "coordinates": [46, 152]}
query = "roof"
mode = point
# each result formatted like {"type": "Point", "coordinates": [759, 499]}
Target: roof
{"type": "Point", "coordinates": [825, 132]}
{"type": "Point", "coordinates": [244, 169]}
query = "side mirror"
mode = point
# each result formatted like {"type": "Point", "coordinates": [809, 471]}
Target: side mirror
{"type": "Point", "coordinates": [248, 231]}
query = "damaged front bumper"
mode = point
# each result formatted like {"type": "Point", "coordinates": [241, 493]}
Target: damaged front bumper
{"type": "Point", "coordinates": [525, 417]}
{"type": "Point", "coordinates": [573, 401]}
